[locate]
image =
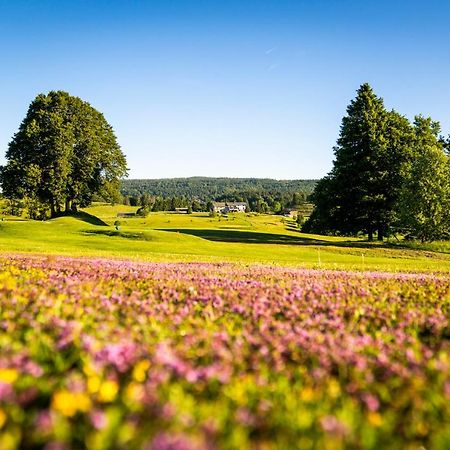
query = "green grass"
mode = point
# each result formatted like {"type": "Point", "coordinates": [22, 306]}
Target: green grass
{"type": "Point", "coordinates": [248, 239]}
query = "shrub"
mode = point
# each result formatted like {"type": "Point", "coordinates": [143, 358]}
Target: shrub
{"type": "Point", "coordinates": [143, 211]}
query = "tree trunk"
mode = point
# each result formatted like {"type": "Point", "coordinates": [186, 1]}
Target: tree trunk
{"type": "Point", "coordinates": [380, 233]}
{"type": "Point", "coordinates": [370, 234]}
{"type": "Point", "coordinates": [52, 208]}
{"type": "Point", "coordinates": [68, 206]}
{"type": "Point", "coordinates": [74, 207]}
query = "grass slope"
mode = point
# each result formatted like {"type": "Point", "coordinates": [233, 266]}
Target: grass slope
{"type": "Point", "coordinates": [241, 238]}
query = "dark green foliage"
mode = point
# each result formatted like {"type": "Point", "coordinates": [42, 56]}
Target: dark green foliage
{"type": "Point", "coordinates": [324, 217]}
{"type": "Point", "coordinates": [64, 153]}
{"type": "Point", "coordinates": [424, 201]}
{"type": "Point", "coordinates": [262, 195]}
{"type": "Point", "coordinates": [360, 192]}
{"type": "Point", "coordinates": [387, 175]}
{"type": "Point", "coordinates": [143, 211]}
{"type": "Point", "coordinates": [205, 188]}
{"type": "Point", "coordinates": [265, 196]}
{"type": "Point", "coordinates": [197, 206]}
{"type": "Point", "coordinates": [209, 206]}
{"type": "Point", "coordinates": [445, 142]}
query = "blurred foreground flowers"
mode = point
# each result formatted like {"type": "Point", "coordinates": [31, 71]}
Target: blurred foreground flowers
{"type": "Point", "coordinates": [103, 354]}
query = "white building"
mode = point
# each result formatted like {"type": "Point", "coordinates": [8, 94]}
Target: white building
{"type": "Point", "coordinates": [229, 207]}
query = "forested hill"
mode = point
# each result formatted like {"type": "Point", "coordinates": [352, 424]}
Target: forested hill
{"type": "Point", "coordinates": [205, 188]}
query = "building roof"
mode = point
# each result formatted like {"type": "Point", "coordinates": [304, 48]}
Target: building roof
{"type": "Point", "coordinates": [230, 204]}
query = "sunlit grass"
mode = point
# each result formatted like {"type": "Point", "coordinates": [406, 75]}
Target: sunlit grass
{"type": "Point", "coordinates": [243, 238]}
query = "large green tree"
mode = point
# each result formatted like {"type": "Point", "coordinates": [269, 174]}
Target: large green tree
{"type": "Point", "coordinates": [360, 192]}
{"type": "Point", "coordinates": [424, 203]}
{"type": "Point", "coordinates": [64, 153]}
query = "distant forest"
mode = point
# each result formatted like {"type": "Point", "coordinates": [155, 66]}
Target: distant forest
{"type": "Point", "coordinates": [261, 194]}
{"type": "Point", "coordinates": [206, 188]}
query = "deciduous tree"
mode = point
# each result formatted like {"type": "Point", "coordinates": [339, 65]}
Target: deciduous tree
{"type": "Point", "coordinates": [424, 203]}
{"type": "Point", "coordinates": [64, 153]}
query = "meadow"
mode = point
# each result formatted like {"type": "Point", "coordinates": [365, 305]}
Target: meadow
{"type": "Point", "coordinates": [103, 354]}
{"type": "Point", "coordinates": [186, 332]}
{"type": "Point", "coordinates": [240, 238]}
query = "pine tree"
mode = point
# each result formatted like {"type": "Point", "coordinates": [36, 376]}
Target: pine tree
{"type": "Point", "coordinates": [360, 192]}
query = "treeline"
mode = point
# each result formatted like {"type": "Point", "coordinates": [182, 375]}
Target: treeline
{"type": "Point", "coordinates": [389, 176]}
{"type": "Point", "coordinates": [198, 193]}
{"type": "Point", "coordinates": [207, 188]}
{"type": "Point", "coordinates": [261, 202]}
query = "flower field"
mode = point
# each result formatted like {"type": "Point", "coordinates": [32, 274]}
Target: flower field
{"type": "Point", "coordinates": [103, 354]}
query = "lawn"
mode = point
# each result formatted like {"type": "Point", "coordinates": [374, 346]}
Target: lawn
{"type": "Point", "coordinates": [243, 238]}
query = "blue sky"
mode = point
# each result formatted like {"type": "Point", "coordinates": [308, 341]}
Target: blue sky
{"type": "Point", "coordinates": [225, 87]}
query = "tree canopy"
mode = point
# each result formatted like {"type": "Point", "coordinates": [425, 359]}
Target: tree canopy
{"type": "Point", "coordinates": [386, 173]}
{"type": "Point", "coordinates": [63, 154]}
{"type": "Point", "coordinates": [207, 188]}
{"type": "Point", "coordinates": [424, 201]}
{"type": "Point", "coordinates": [261, 195]}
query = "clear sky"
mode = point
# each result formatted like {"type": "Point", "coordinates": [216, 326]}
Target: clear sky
{"type": "Point", "coordinates": [232, 88]}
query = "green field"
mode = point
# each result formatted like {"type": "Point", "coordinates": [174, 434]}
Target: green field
{"type": "Point", "coordinates": [249, 239]}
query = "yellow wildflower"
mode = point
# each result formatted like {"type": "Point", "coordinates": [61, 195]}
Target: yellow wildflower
{"type": "Point", "coordinates": [89, 370]}
{"type": "Point", "coordinates": [2, 418]}
{"type": "Point", "coordinates": [375, 419]}
{"type": "Point", "coordinates": [8, 375]}
{"type": "Point", "coordinates": [140, 370]}
{"type": "Point", "coordinates": [108, 391]}
{"type": "Point", "coordinates": [334, 390]}
{"type": "Point", "coordinates": [83, 402]}
{"type": "Point", "coordinates": [7, 282]}
{"type": "Point", "coordinates": [69, 403]}
{"type": "Point", "coordinates": [93, 384]}
{"type": "Point", "coordinates": [307, 394]}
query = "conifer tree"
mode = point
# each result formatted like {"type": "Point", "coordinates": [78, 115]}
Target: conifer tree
{"type": "Point", "coordinates": [360, 192]}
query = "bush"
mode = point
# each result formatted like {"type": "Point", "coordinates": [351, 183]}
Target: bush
{"type": "Point", "coordinates": [300, 221]}
{"type": "Point", "coordinates": [142, 212]}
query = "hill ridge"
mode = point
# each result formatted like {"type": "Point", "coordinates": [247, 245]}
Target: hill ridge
{"type": "Point", "coordinates": [212, 187]}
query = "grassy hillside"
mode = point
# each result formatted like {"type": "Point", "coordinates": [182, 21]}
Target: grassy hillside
{"type": "Point", "coordinates": [242, 238]}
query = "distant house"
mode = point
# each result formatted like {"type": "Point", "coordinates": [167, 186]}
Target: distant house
{"type": "Point", "coordinates": [290, 213]}
{"type": "Point", "coordinates": [229, 207]}
{"type": "Point", "coordinates": [129, 214]}
{"type": "Point", "coordinates": [181, 210]}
